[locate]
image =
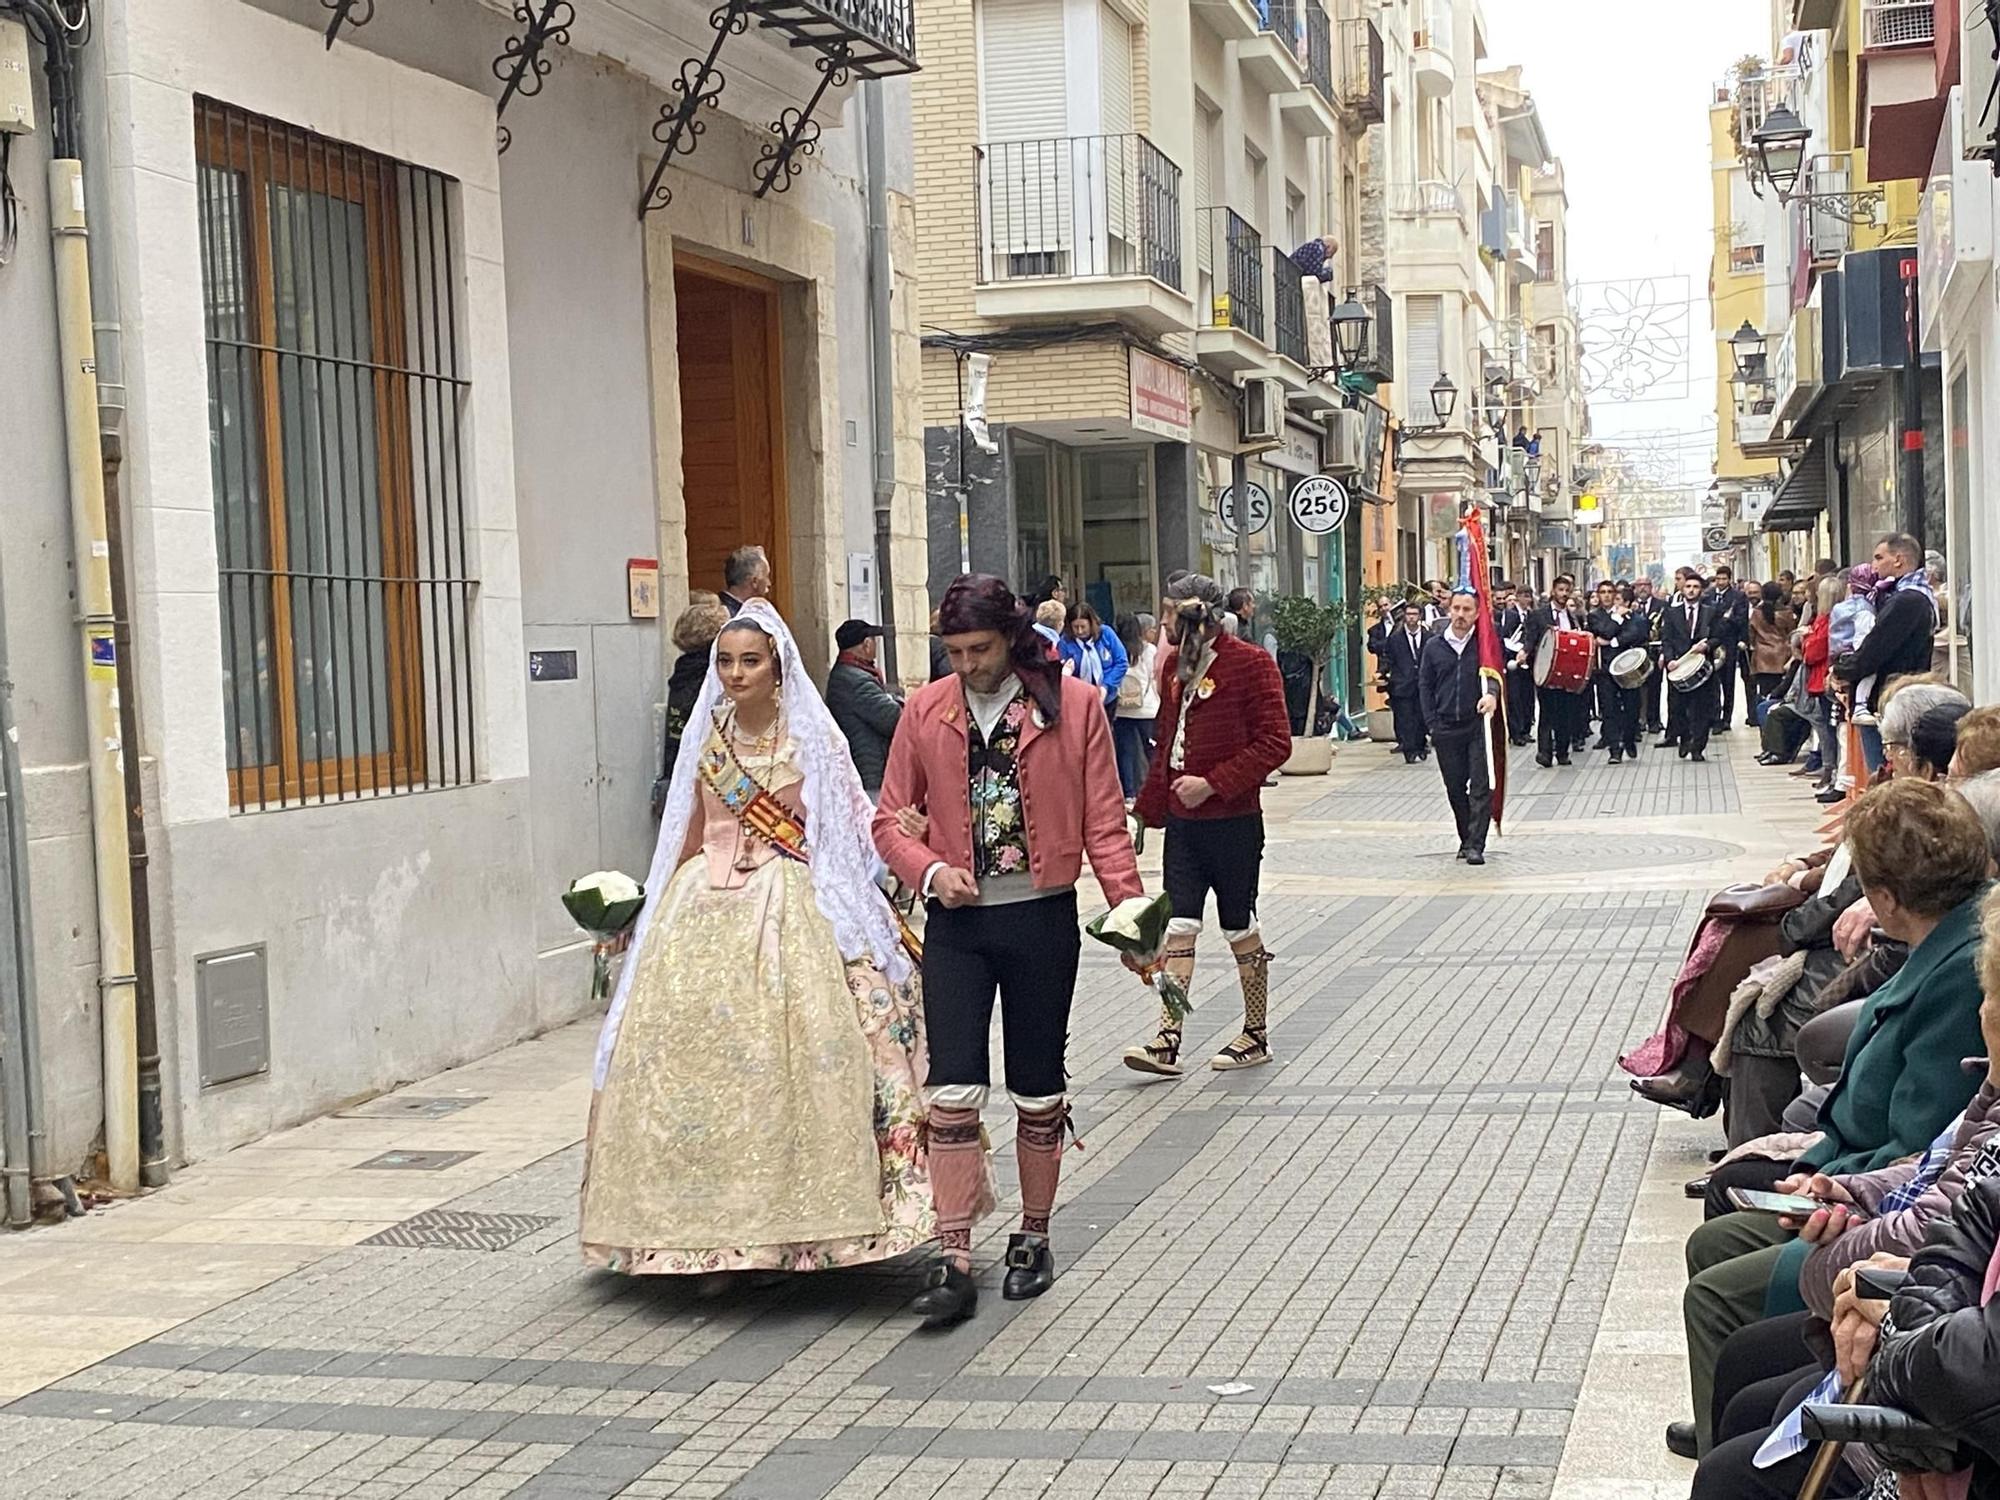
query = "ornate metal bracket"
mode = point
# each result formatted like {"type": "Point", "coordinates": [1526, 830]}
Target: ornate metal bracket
{"type": "Point", "coordinates": [521, 65]}
{"type": "Point", "coordinates": [1857, 207]}
{"type": "Point", "coordinates": [355, 13]}
{"type": "Point", "coordinates": [796, 130]}
{"type": "Point", "coordinates": [680, 126]}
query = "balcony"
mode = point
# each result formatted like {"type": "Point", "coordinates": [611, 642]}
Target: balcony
{"type": "Point", "coordinates": [1825, 235]}
{"type": "Point", "coordinates": [1074, 226]}
{"type": "Point", "coordinates": [1377, 360]}
{"type": "Point", "coordinates": [1363, 72]}
{"type": "Point", "coordinates": [1288, 310]}
{"type": "Point", "coordinates": [1274, 59]}
{"type": "Point", "coordinates": [1520, 236]}
{"type": "Point", "coordinates": [1431, 58]}
{"type": "Point", "coordinates": [1897, 23]}
{"type": "Point", "coordinates": [1431, 199]}
{"type": "Point", "coordinates": [1906, 70]}
{"type": "Point", "coordinates": [1312, 110]}
{"type": "Point", "coordinates": [1229, 256]}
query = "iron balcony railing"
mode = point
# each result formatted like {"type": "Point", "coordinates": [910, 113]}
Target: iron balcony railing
{"type": "Point", "coordinates": [1827, 234]}
{"type": "Point", "coordinates": [1427, 200]}
{"type": "Point", "coordinates": [1897, 23]}
{"type": "Point", "coordinates": [1363, 88]}
{"type": "Point", "coordinates": [1072, 207]}
{"type": "Point", "coordinates": [1319, 50]}
{"type": "Point", "coordinates": [1377, 359]}
{"type": "Point", "coordinates": [1233, 253]}
{"type": "Point", "coordinates": [877, 38]}
{"type": "Point", "coordinates": [1288, 308]}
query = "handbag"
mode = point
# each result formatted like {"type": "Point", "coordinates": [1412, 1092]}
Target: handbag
{"type": "Point", "coordinates": [1755, 903]}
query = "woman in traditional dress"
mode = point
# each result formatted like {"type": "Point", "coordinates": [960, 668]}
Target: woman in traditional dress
{"type": "Point", "coordinates": [758, 1078]}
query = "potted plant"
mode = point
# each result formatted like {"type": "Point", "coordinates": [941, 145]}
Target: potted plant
{"type": "Point", "coordinates": [1310, 628]}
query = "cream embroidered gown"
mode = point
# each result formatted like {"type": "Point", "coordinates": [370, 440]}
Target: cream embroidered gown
{"type": "Point", "coordinates": [761, 1107]}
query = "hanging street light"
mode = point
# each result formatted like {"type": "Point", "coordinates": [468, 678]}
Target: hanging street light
{"type": "Point", "coordinates": [1780, 143]}
{"type": "Point", "coordinates": [1747, 345]}
{"type": "Point", "coordinates": [1351, 323]}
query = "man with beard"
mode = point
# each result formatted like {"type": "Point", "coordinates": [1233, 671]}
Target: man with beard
{"type": "Point", "coordinates": [1011, 763]}
{"type": "Point", "coordinates": [1618, 627]}
{"type": "Point", "coordinates": [1689, 628]}
{"type": "Point", "coordinates": [1457, 703]}
{"type": "Point", "coordinates": [1222, 729]}
{"type": "Point", "coordinates": [1732, 628]}
{"type": "Point", "coordinates": [1649, 607]}
{"type": "Point", "coordinates": [1402, 651]}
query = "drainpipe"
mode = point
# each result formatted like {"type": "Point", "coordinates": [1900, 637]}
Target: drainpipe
{"type": "Point", "coordinates": [18, 1062]}
{"type": "Point", "coordinates": [107, 330]}
{"type": "Point", "coordinates": [881, 364]}
{"type": "Point", "coordinates": [97, 623]}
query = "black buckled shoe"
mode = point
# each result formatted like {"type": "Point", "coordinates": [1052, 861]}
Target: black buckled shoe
{"type": "Point", "coordinates": [1031, 1268]}
{"type": "Point", "coordinates": [950, 1298]}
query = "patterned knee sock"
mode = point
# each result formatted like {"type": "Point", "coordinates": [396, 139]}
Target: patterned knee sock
{"type": "Point", "coordinates": [1253, 969]}
{"type": "Point", "coordinates": [1038, 1144]}
{"type": "Point", "coordinates": [957, 1165]}
{"type": "Point", "coordinates": [1179, 962]}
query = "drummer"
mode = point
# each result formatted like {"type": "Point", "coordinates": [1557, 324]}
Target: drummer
{"type": "Point", "coordinates": [1687, 639]}
{"type": "Point", "coordinates": [1619, 628]}
{"type": "Point", "coordinates": [1559, 708]}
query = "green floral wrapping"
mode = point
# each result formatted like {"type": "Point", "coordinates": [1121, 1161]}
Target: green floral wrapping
{"type": "Point", "coordinates": [1137, 928]}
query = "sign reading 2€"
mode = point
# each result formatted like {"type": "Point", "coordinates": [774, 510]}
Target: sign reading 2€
{"type": "Point", "coordinates": [1319, 504]}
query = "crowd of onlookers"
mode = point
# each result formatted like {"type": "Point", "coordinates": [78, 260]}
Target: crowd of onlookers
{"type": "Point", "coordinates": [1842, 1017]}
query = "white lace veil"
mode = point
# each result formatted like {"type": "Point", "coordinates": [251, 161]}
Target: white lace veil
{"type": "Point", "coordinates": [838, 819]}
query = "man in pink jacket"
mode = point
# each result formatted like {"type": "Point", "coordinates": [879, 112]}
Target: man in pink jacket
{"type": "Point", "coordinates": [1011, 764]}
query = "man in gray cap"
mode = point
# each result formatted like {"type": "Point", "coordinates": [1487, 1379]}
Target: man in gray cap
{"type": "Point", "coordinates": [1222, 729]}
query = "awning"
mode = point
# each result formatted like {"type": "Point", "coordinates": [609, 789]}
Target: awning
{"type": "Point", "coordinates": [1801, 494]}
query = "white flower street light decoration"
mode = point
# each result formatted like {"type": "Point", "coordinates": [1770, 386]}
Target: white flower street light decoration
{"type": "Point", "coordinates": [1780, 144]}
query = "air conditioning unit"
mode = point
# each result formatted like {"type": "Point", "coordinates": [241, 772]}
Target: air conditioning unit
{"type": "Point", "coordinates": [1263, 412]}
{"type": "Point", "coordinates": [1345, 433]}
{"type": "Point", "coordinates": [1978, 110]}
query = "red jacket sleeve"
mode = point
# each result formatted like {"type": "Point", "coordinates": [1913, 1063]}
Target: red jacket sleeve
{"type": "Point", "coordinates": [1105, 838]}
{"type": "Point", "coordinates": [1270, 731]}
{"type": "Point", "coordinates": [903, 785]}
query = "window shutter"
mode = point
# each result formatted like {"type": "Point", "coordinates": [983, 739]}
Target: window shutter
{"type": "Point", "coordinates": [1022, 87]}
{"type": "Point", "coordinates": [1209, 230]}
{"type": "Point", "coordinates": [1030, 169]}
{"type": "Point", "coordinates": [1115, 70]}
{"type": "Point", "coordinates": [1425, 318]}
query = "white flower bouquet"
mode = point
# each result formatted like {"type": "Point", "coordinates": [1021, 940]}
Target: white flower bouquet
{"type": "Point", "coordinates": [1137, 928]}
{"type": "Point", "coordinates": [605, 905]}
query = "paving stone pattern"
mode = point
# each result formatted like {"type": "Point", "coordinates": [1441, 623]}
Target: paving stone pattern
{"type": "Point", "coordinates": [1373, 1269]}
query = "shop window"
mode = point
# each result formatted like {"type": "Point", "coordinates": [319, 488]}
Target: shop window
{"type": "Point", "coordinates": [336, 410]}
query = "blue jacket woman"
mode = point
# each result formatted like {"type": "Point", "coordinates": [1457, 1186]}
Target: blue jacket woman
{"type": "Point", "coordinates": [1093, 654]}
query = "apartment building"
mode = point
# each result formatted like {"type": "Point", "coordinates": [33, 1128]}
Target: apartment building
{"type": "Point", "coordinates": [1829, 205]}
{"type": "Point", "coordinates": [1125, 369]}
{"type": "Point", "coordinates": [440, 349]}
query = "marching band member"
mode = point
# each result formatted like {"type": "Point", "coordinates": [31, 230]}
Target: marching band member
{"type": "Point", "coordinates": [1559, 709]}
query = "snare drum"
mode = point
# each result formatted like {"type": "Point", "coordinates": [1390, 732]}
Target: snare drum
{"type": "Point", "coordinates": [1689, 673]}
{"type": "Point", "coordinates": [1630, 668]}
{"type": "Point", "coordinates": [1563, 660]}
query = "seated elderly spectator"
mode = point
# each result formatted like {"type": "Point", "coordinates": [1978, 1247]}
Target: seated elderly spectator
{"type": "Point", "coordinates": [1922, 858]}
{"type": "Point", "coordinates": [1977, 750]}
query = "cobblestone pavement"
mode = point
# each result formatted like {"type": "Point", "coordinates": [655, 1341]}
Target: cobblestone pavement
{"type": "Point", "coordinates": [1375, 1269]}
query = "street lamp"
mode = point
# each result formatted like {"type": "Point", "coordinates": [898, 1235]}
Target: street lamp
{"type": "Point", "coordinates": [1444, 401]}
{"type": "Point", "coordinates": [1350, 330]}
{"type": "Point", "coordinates": [1780, 143]}
{"type": "Point", "coordinates": [1531, 474]}
{"type": "Point", "coordinates": [1747, 345]}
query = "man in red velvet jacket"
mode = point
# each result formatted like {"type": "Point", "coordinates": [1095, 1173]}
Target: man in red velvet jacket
{"type": "Point", "coordinates": [1222, 730]}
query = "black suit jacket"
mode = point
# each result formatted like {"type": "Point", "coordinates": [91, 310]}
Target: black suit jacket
{"type": "Point", "coordinates": [1400, 663]}
{"type": "Point", "coordinates": [1614, 636]}
{"type": "Point", "coordinates": [1542, 621]}
{"type": "Point", "coordinates": [1675, 637]}
{"type": "Point", "coordinates": [1651, 611]}
{"type": "Point", "coordinates": [1732, 609]}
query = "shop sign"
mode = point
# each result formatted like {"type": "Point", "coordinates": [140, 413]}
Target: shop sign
{"type": "Point", "coordinates": [1160, 398]}
{"type": "Point", "coordinates": [1318, 504]}
{"type": "Point", "coordinates": [1258, 504]}
{"type": "Point", "coordinates": [1298, 454]}
{"type": "Point", "coordinates": [1954, 231]}
{"type": "Point", "coordinates": [1589, 511]}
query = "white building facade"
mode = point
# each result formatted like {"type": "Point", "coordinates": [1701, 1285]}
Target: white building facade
{"type": "Point", "coordinates": [427, 423]}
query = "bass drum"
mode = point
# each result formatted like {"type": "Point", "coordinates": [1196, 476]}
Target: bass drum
{"type": "Point", "coordinates": [1631, 668]}
{"type": "Point", "coordinates": [1563, 659]}
{"type": "Point", "coordinates": [1689, 673]}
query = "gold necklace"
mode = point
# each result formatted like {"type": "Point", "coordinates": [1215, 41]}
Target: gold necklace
{"type": "Point", "coordinates": [757, 744]}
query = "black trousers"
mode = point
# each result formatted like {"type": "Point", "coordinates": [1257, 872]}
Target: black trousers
{"type": "Point", "coordinates": [1724, 683]}
{"type": "Point", "coordinates": [1759, 1090]}
{"type": "Point", "coordinates": [1224, 855]}
{"type": "Point", "coordinates": [1558, 715]}
{"type": "Point", "coordinates": [1520, 704]}
{"type": "Point", "coordinates": [1409, 716]}
{"type": "Point", "coordinates": [1649, 697]}
{"type": "Point", "coordinates": [1751, 1410]}
{"type": "Point", "coordinates": [1691, 716]}
{"type": "Point", "coordinates": [1750, 694]}
{"type": "Point", "coordinates": [1461, 757]}
{"type": "Point", "coordinates": [1027, 951]}
{"type": "Point", "coordinates": [1757, 1353]}
{"type": "Point", "coordinates": [1621, 718]}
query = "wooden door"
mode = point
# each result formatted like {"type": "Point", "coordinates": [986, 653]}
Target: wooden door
{"type": "Point", "coordinates": [732, 463]}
